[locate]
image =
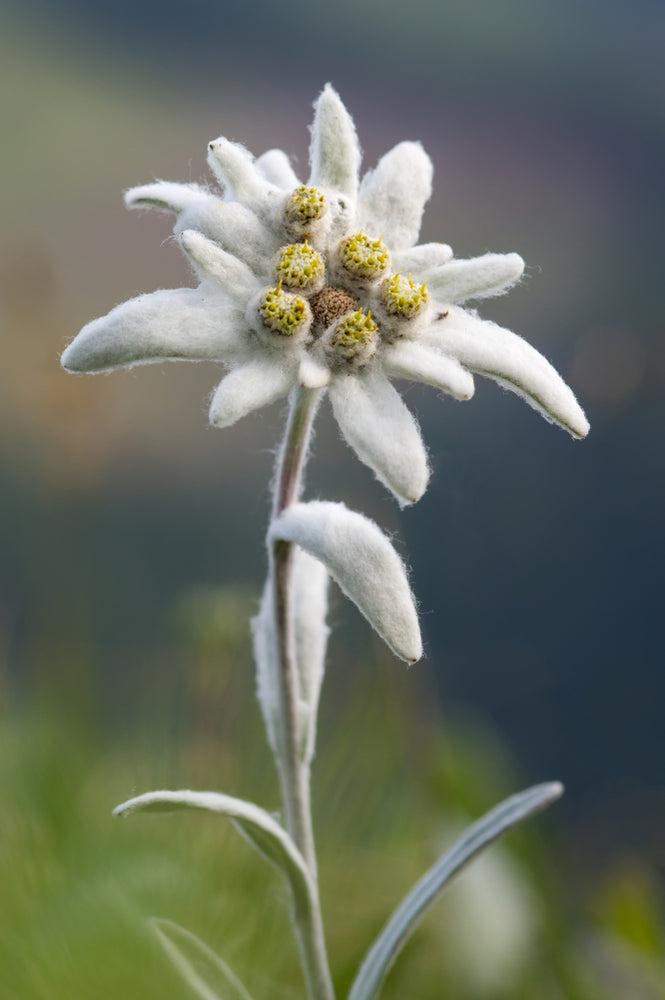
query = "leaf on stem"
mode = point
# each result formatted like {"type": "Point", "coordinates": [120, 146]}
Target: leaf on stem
{"type": "Point", "coordinates": [309, 607]}
{"type": "Point", "coordinates": [255, 824]}
{"type": "Point", "coordinates": [408, 914]}
{"type": "Point", "coordinates": [203, 971]}
{"type": "Point", "coordinates": [363, 562]}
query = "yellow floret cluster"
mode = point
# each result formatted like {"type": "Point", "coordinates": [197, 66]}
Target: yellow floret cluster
{"type": "Point", "coordinates": [282, 312]}
{"type": "Point", "coordinates": [401, 297]}
{"type": "Point", "coordinates": [363, 257]}
{"type": "Point", "coordinates": [298, 265]}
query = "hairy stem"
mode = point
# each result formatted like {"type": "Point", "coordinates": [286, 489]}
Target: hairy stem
{"type": "Point", "coordinates": [293, 770]}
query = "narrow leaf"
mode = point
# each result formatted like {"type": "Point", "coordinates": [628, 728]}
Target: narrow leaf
{"type": "Point", "coordinates": [254, 823]}
{"type": "Point", "coordinates": [408, 914]}
{"type": "Point", "coordinates": [204, 971]}
{"type": "Point", "coordinates": [362, 561]}
{"type": "Point", "coordinates": [309, 607]}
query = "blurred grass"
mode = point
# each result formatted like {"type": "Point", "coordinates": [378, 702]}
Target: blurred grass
{"type": "Point", "coordinates": [391, 790]}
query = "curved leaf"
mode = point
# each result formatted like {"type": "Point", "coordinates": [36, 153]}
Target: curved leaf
{"type": "Point", "coordinates": [362, 561]}
{"type": "Point", "coordinates": [254, 823]}
{"type": "Point", "coordinates": [204, 971]}
{"type": "Point", "coordinates": [408, 914]}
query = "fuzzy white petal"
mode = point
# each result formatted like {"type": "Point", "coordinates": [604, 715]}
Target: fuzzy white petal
{"type": "Point", "coordinates": [420, 363]}
{"type": "Point", "coordinates": [235, 228]}
{"type": "Point", "coordinates": [234, 167]}
{"type": "Point", "coordinates": [382, 432]}
{"type": "Point", "coordinates": [250, 386]}
{"type": "Point", "coordinates": [165, 195]}
{"type": "Point", "coordinates": [276, 168]}
{"type": "Point", "coordinates": [234, 278]}
{"type": "Point", "coordinates": [393, 195]}
{"type": "Point", "coordinates": [175, 324]}
{"type": "Point", "coordinates": [420, 260]}
{"type": "Point", "coordinates": [488, 349]}
{"type": "Point", "coordinates": [334, 149]}
{"type": "Point", "coordinates": [477, 278]}
{"type": "Point", "coordinates": [313, 373]}
{"type": "Point", "coordinates": [363, 562]}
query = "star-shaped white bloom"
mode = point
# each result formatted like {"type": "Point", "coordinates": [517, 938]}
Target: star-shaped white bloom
{"type": "Point", "coordinates": [322, 285]}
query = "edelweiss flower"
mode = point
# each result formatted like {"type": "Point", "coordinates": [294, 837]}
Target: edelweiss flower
{"type": "Point", "coordinates": [322, 285]}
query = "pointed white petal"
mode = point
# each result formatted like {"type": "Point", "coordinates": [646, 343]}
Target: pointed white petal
{"type": "Point", "coordinates": [334, 151]}
{"type": "Point", "coordinates": [313, 373]}
{"type": "Point", "coordinates": [276, 168]}
{"type": "Point", "coordinates": [165, 195]}
{"type": "Point", "coordinates": [309, 606]}
{"type": "Point", "coordinates": [422, 259]}
{"type": "Point", "coordinates": [250, 386]}
{"type": "Point", "coordinates": [382, 432]}
{"type": "Point", "coordinates": [393, 195]}
{"type": "Point", "coordinates": [175, 324]}
{"type": "Point", "coordinates": [233, 277]}
{"type": "Point", "coordinates": [488, 349]}
{"type": "Point", "coordinates": [362, 561]}
{"type": "Point", "coordinates": [234, 167]}
{"type": "Point", "coordinates": [420, 363]}
{"type": "Point", "coordinates": [477, 278]}
{"type": "Point", "coordinates": [235, 228]}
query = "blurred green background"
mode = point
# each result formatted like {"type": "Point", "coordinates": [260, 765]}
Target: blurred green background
{"type": "Point", "coordinates": [132, 533]}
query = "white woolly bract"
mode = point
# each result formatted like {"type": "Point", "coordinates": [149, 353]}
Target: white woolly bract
{"type": "Point", "coordinates": [233, 277]}
{"type": "Point", "coordinates": [164, 195]}
{"type": "Point", "coordinates": [420, 363]}
{"type": "Point", "coordinates": [235, 228]}
{"type": "Point", "coordinates": [392, 197]}
{"type": "Point", "coordinates": [275, 166]}
{"type": "Point", "coordinates": [176, 324]}
{"type": "Point", "coordinates": [234, 167]}
{"type": "Point", "coordinates": [313, 373]}
{"type": "Point", "coordinates": [488, 349]}
{"type": "Point", "coordinates": [334, 150]}
{"type": "Point", "coordinates": [477, 278]}
{"type": "Point", "coordinates": [308, 602]}
{"type": "Point", "coordinates": [422, 259]}
{"type": "Point", "coordinates": [382, 432]}
{"type": "Point", "coordinates": [250, 386]}
{"type": "Point", "coordinates": [363, 562]}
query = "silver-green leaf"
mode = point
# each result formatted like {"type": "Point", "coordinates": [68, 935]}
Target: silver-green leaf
{"type": "Point", "coordinates": [254, 823]}
{"type": "Point", "coordinates": [205, 972]}
{"type": "Point", "coordinates": [408, 914]}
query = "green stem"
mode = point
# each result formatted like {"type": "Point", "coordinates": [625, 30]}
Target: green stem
{"type": "Point", "coordinates": [293, 771]}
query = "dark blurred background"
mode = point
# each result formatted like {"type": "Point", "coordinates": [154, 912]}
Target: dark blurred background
{"type": "Point", "coordinates": [537, 561]}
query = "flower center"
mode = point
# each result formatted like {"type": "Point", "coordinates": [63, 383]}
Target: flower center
{"type": "Point", "coordinates": [330, 305]}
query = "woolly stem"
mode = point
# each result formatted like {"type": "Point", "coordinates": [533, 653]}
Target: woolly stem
{"type": "Point", "coordinates": [293, 771]}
